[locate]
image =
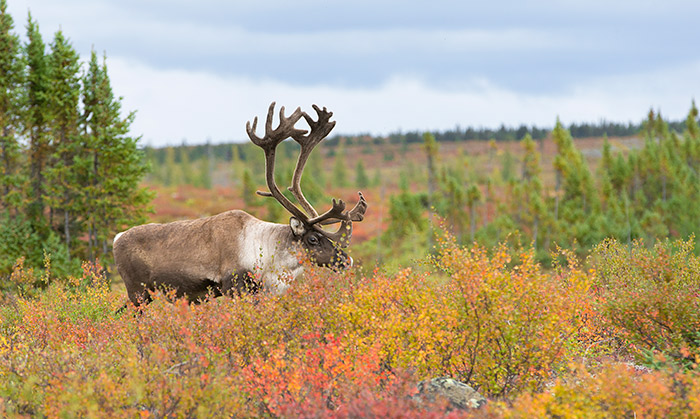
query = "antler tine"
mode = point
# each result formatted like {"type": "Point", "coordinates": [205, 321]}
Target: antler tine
{"type": "Point", "coordinates": [336, 212]}
{"type": "Point", "coordinates": [268, 120]}
{"type": "Point", "coordinates": [269, 145]}
{"type": "Point", "coordinates": [319, 130]}
{"type": "Point", "coordinates": [251, 131]}
{"type": "Point", "coordinates": [357, 213]}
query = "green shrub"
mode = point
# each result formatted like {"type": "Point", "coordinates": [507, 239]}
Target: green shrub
{"type": "Point", "coordinates": [22, 239]}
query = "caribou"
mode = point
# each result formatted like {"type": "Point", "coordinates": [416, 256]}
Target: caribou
{"type": "Point", "coordinates": [234, 252]}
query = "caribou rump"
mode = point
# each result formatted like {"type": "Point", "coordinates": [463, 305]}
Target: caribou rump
{"type": "Point", "coordinates": [234, 252]}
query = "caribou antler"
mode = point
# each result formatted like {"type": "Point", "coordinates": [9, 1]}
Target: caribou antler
{"type": "Point", "coordinates": [269, 145]}
{"type": "Point", "coordinates": [319, 130]}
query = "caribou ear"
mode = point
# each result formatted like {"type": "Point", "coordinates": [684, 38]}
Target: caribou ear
{"type": "Point", "coordinates": [298, 228]}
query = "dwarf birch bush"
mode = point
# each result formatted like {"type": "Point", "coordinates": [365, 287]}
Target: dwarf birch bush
{"type": "Point", "coordinates": [651, 296]}
{"type": "Point", "coordinates": [499, 325]}
{"type": "Point", "coordinates": [517, 320]}
{"type": "Point", "coordinates": [613, 390]}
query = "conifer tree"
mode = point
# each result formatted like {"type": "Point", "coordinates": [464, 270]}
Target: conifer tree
{"type": "Point", "coordinates": [473, 198]}
{"type": "Point", "coordinates": [691, 122]}
{"type": "Point", "coordinates": [579, 204]}
{"type": "Point", "coordinates": [451, 203]}
{"type": "Point", "coordinates": [430, 146]}
{"type": "Point", "coordinates": [204, 179]}
{"type": "Point", "coordinates": [63, 99]}
{"type": "Point", "coordinates": [37, 116]}
{"type": "Point", "coordinates": [607, 193]}
{"type": "Point", "coordinates": [361, 178]}
{"type": "Point", "coordinates": [113, 197]}
{"type": "Point", "coordinates": [275, 212]}
{"type": "Point", "coordinates": [507, 163]}
{"type": "Point", "coordinates": [236, 164]}
{"type": "Point", "coordinates": [185, 165]}
{"type": "Point", "coordinates": [170, 177]}
{"type": "Point", "coordinates": [533, 204]}
{"type": "Point", "coordinates": [377, 178]}
{"type": "Point", "coordinates": [248, 190]}
{"type": "Point", "coordinates": [11, 72]}
{"type": "Point", "coordinates": [340, 171]}
{"type": "Point", "coordinates": [314, 167]}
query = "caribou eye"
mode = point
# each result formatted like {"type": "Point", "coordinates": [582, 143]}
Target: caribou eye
{"type": "Point", "coordinates": [313, 240]}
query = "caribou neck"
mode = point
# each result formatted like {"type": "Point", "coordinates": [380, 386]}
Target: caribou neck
{"type": "Point", "coordinates": [271, 253]}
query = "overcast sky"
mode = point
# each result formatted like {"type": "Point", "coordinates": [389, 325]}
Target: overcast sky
{"type": "Point", "coordinates": [198, 70]}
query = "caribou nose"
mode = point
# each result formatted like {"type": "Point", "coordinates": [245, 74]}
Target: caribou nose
{"type": "Point", "coordinates": [342, 262]}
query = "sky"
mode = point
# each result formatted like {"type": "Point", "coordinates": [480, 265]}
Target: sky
{"type": "Point", "coordinates": [196, 71]}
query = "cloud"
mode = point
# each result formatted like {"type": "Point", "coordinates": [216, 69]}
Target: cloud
{"type": "Point", "coordinates": [543, 46]}
{"type": "Point", "coordinates": [195, 106]}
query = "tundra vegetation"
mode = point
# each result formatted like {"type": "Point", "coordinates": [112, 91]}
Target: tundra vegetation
{"type": "Point", "coordinates": [558, 276]}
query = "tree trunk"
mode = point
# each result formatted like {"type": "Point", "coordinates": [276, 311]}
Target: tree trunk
{"type": "Point", "coordinates": [472, 222]}
{"type": "Point", "coordinates": [66, 228]}
{"type": "Point", "coordinates": [379, 226]}
{"type": "Point", "coordinates": [557, 187]}
{"type": "Point", "coordinates": [663, 187]}
{"type": "Point", "coordinates": [535, 231]}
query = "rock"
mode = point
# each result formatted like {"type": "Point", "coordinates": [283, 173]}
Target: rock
{"type": "Point", "coordinates": [459, 395]}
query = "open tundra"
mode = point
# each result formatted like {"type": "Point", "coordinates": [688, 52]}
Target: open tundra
{"type": "Point", "coordinates": [234, 251]}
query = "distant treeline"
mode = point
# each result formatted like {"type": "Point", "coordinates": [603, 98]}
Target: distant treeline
{"type": "Point", "coordinates": [503, 133]}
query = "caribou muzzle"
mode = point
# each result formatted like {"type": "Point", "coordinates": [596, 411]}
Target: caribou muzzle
{"type": "Point", "coordinates": [341, 262]}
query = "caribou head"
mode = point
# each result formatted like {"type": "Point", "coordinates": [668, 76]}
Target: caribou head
{"type": "Point", "coordinates": [323, 246]}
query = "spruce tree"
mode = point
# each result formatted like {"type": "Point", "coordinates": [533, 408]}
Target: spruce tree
{"type": "Point", "coordinates": [36, 118]}
{"type": "Point", "coordinates": [63, 184]}
{"type": "Point", "coordinates": [314, 168]}
{"type": "Point", "coordinates": [691, 122]}
{"type": "Point", "coordinates": [452, 201]}
{"type": "Point", "coordinates": [430, 146]}
{"type": "Point", "coordinates": [340, 171]}
{"type": "Point", "coordinates": [11, 72]}
{"type": "Point", "coordinates": [532, 200]}
{"type": "Point", "coordinates": [170, 177]}
{"type": "Point", "coordinates": [361, 178]}
{"type": "Point", "coordinates": [248, 190]}
{"type": "Point", "coordinates": [185, 165]}
{"type": "Point", "coordinates": [113, 198]}
{"type": "Point", "coordinates": [473, 198]}
{"type": "Point", "coordinates": [204, 179]}
{"type": "Point", "coordinates": [579, 205]}
{"type": "Point", "coordinates": [236, 164]}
